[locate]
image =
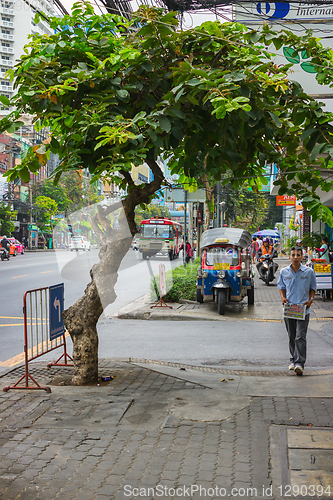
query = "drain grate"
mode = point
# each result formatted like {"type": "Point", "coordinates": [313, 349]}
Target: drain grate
{"type": "Point", "coordinates": [302, 462]}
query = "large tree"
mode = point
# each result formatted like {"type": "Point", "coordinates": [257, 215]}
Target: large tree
{"type": "Point", "coordinates": [211, 99]}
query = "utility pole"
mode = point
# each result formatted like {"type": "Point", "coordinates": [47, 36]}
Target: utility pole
{"type": "Point", "coordinates": [190, 224]}
{"type": "Point", "coordinates": [218, 204]}
{"type": "Point", "coordinates": [30, 202]}
{"type": "Point", "coordinates": [185, 227]}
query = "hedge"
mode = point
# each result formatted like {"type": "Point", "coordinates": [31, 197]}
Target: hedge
{"type": "Point", "coordinates": [183, 281]}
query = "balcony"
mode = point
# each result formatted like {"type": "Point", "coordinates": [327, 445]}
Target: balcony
{"type": "Point", "coordinates": [6, 88]}
{"type": "Point", "coordinates": [6, 11]}
{"type": "Point", "coordinates": [4, 36]}
{"type": "Point", "coordinates": [7, 50]}
{"type": "Point", "coordinates": [6, 24]}
{"type": "Point", "coordinates": [5, 62]}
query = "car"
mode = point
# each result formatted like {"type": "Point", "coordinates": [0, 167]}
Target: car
{"type": "Point", "coordinates": [79, 243]}
{"type": "Point", "coordinates": [19, 247]}
{"type": "Point", "coordinates": [12, 250]}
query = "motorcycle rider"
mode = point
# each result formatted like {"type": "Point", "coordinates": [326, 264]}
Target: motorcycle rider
{"type": "Point", "coordinates": [5, 245]}
{"type": "Point", "coordinates": [266, 249]}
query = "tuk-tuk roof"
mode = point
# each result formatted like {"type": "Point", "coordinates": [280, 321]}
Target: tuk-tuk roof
{"type": "Point", "coordinates": [230, 235]}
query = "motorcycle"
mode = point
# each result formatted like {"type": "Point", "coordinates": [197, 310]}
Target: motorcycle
{"type": "Point", "coordinates": [4, 254]}
{"type": "Point", "coordinates": [267, 268]}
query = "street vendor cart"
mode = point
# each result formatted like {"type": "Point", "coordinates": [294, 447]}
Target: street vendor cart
{"type": "Point", "coordinates": [324, 277]}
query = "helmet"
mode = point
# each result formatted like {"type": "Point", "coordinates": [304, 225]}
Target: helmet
{"type": "Point", "coordinates": [266, 240]}
{"type": "Point", "coordinates": [4, 237]}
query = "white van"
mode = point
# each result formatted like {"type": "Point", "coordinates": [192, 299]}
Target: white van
{"type": "Point", "coordinates": [79, 243]}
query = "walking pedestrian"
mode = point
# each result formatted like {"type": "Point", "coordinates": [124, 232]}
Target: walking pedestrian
{"type": "Point", "coordinates": [254, 249]}
{"type": "Point", "coordinates": [297, 284]}
{"type": "Point", "coordinates": [189, 251]}
{"type": "Point", "coordinates": [299, 245]}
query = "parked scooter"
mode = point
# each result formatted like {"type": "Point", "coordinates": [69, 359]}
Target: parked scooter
{"type": "Point", "coordinates": [267, 268]}
{"type": "Point", "coordinates": [4, 253]}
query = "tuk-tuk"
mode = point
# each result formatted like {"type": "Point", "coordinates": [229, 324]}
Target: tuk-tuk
{"type": "Point", "coordinates": [225, 273]}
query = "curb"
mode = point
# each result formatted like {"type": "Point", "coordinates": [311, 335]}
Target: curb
{"type": "Point", "coordinates": [226, 371]}
{"type": "Point", "coordinates": [197, 316]}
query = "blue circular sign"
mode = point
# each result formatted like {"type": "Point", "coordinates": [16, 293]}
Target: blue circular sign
{"type": "Point", "coordinates": [277, 10]}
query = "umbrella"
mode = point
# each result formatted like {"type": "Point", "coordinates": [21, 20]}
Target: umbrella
{"type": "Point", "coordinates": [267, 233]}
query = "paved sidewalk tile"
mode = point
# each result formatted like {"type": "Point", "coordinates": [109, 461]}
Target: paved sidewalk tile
{"type": "Point", "coordinates": [90, 460]}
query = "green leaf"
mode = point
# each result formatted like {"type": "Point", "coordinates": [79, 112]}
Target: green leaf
{"type": "Point", "coordinates": [24, 174]}
{"type": "Point", "coordinates": [316, 150]}
{"type": "Point", "coordinates": [76, 137]}
{"type": "Point", "coordinates": [69, 121]}
{"type": "Point", "coordinates": [192, 99]}
{"type": "Point", "coordinates": [177, 132]}
{"type": "Point", "coordinates": [4, 100]}
{"type": "Point", "coordinates": [179, 94]}
{"type": "Point", "coordinates": [255, 36]}
{"type": "Point", "coordinates": [122, 93]}
{"type": "Point", "coordinates": [308, 132]}
{"type": "Point", "coordinates": [164, 123]}
{"type": "Point", "coordinates": [15, 126]}
{"type": "Point", "coordinates": [275, 119]}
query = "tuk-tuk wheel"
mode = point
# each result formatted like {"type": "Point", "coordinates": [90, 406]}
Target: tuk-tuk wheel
{"type": "Point", "coordinates": [199, 296]}
{"type": "Point", "coordinates": [221, 301]}
{"type": "Point", "coordinates": [250, 296]}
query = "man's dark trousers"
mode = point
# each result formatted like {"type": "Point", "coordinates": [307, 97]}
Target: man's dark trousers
{"type": "Point", "coordinates": [297, 330]}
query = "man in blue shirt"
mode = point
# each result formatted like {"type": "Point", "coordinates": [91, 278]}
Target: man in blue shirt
{"type": "Point", "coordinates": [297, 284]}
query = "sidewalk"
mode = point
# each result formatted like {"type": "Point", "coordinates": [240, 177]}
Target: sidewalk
{"type": "Point", "coordinates": [163, 427]}
{"type": "Point", "coordinates": [267, 307]}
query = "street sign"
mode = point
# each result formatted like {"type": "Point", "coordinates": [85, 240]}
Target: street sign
{"type": "Point", "coordinates": [285, 200]}
{"type": "Point", "coordinates": [178, 195]}
{"type": "Point", "coordinates": [56, 307]}
{"type": "Point", "coordinates": [32, 227]}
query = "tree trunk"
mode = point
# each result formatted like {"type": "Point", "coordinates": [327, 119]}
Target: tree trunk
{"type": "Point", "coordinates": [81, 318]}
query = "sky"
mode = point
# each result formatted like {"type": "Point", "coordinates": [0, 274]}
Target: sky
{"type": "Point", "coordinates": [190, 20]}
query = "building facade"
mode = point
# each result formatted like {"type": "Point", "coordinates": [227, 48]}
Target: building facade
{"type": "Point", "coordinates": [16, 24]}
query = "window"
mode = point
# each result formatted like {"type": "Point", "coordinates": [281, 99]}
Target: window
{"type": "Point", "coordinates": [3, 44]}
{"type": "Point", "coordinates": [224, 255]}
{"type": "Point", "coordinates": [5, 18]}
{"type": "Point", "coordinates": [156, 231]}
{"type": "Point", "coordinates": [5, 57]}
{"type": "Point", "coordinates": [7, 32]}
{"type": "Point", "coordinates": [5, 83]}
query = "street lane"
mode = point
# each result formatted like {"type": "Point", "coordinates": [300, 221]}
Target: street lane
{"type": "Point", "coordinates": [236, 344]}
{"type": "Point", "coordinates": [41, 269]}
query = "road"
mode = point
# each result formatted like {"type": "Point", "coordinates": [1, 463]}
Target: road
{"type": "Point", "coordinates": [39, 269]}
{"type": "Point", "coordinates": [237, 344]}
{"type": "Point", "coordinates": [229, 344]}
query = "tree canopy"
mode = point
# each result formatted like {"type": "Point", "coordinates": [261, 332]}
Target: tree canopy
{"type": "Point", "coordinates": [211, 99]}
{"type": "Point", "coordinates": [7, 225]}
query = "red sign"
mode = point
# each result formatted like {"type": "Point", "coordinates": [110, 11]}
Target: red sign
{"type": "Point", "coordinates": [285, 200]}
{"type": "Point", "coordinates": [199, 217]}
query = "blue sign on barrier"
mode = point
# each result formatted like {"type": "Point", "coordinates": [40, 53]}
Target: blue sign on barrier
{"type": "Point", "coordinates": [56, 307]}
